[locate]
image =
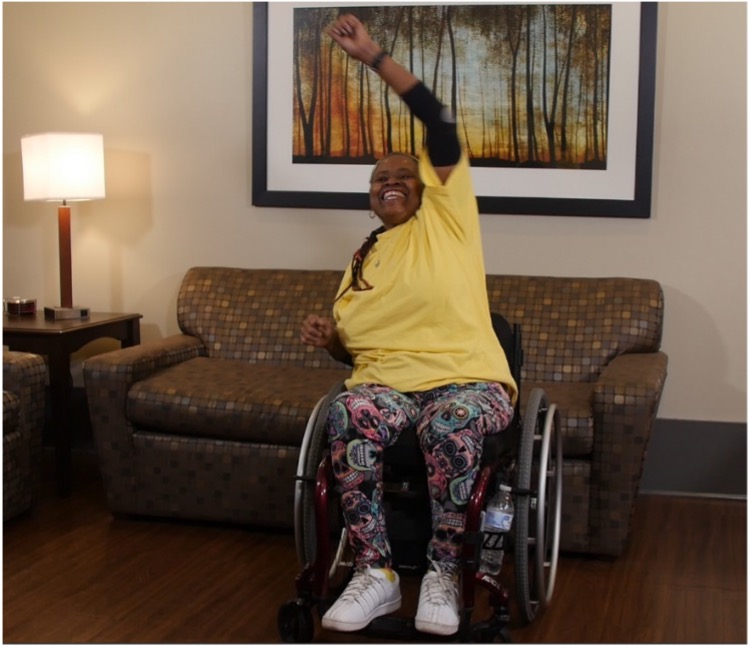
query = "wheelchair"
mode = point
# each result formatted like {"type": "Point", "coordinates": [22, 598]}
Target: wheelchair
{"type": "Point", "coordinates": [527, 456]}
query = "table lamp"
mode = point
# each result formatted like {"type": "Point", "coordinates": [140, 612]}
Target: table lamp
{"type": "Point", "coordinates": [63, 167]}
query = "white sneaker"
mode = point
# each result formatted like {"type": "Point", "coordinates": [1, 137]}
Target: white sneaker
{"type": "Point", "coordinates": [438, 608]}
{"type": "Point", "coordinates": [371, 592]}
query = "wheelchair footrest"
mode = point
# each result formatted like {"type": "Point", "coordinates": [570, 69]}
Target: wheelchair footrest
{"type": "Point", "coordinates": [402, 629]}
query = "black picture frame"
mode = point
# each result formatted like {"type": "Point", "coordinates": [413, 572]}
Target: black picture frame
{"type": "Point", "coordinates": [636, 206]}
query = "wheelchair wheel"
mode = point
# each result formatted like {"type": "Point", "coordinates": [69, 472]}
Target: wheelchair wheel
{"type": "Point", "coordinates": [538, 506]}
{"type": "Point", "coordinates": [312, 451]}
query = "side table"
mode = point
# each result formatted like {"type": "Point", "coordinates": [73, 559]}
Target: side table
{"type": "Point", "coordinates": [57, 340]}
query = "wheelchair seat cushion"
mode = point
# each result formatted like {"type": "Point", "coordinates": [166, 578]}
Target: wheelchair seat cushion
{"type": "Point", "coordinates": [229, 400]}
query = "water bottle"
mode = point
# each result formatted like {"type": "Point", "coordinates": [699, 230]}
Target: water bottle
{"type": "Point", "coordinates": [499, 514]}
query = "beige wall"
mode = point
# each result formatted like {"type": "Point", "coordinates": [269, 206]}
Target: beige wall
{"type": "Point", "coordinates": [169, 86]}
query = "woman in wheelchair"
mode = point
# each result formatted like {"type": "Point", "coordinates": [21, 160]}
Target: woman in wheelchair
{"type": "Point", "coordinates": [412, 318]}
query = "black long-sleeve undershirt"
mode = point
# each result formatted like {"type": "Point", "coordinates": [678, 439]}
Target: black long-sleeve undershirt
{"type": "Point", "coordinates": [441, 138]}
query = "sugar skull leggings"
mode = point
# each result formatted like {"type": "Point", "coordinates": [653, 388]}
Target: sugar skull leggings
{"type": "Point", "coordinates": [450, 423]}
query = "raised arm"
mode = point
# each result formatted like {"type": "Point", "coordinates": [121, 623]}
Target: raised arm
{"type": "Point", "coordinates": [442, 142]}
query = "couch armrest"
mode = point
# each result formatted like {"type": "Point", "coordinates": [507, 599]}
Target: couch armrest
{"type": "Point", "coordinates": [108, 378]}
{"type": "Point", "coordinates": [24, 375]}
{"type": "Point", "coordinates": [129, 365]}
{"type": "Point", "coordinates": [624, 405]}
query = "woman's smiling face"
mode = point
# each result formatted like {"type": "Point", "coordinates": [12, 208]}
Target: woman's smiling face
{"type": "Point", "coordinates": [395, 189]}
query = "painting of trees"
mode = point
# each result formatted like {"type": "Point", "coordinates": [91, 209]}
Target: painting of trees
{"type": "Point", "coordinates": [529, 84]}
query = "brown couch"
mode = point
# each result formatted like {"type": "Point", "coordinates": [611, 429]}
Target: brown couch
{"type": "Point", "coordinates": [207, 424]}
{"type": "Point", "coordinates": [24, 376]}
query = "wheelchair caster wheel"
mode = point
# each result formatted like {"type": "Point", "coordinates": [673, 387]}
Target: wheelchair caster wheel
{"type": "Point", "coordinates": [295, 623]}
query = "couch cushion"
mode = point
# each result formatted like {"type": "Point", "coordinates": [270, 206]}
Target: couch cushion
{"type": "Point", "coordinates": [574, 403]}
{"type": "Point", "coordinates": [230, 400]}
{"type": "Point", "coordinates": [573, 327]}
{"type": "Point", "coordinates": [255, 315]}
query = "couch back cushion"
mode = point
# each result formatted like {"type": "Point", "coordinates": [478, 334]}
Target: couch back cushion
{"type": "Point", "coordinates": [573, 327]}
{"type": "Point", "coordinates": [255, 314]}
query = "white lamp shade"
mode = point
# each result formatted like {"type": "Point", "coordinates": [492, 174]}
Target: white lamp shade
{"type": "Point", "coordinates": [63, 166]}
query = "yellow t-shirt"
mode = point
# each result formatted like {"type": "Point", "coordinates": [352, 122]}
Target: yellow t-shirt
{"type": "Point", "coordinates": [426, 322]}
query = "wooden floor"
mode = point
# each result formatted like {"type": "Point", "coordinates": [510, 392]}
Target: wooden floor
{"type": "Point", "coordinates": [73, 574]}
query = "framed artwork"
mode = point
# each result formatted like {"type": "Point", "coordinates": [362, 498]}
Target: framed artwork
{"type": "Point", "coordinates": [554, 103]}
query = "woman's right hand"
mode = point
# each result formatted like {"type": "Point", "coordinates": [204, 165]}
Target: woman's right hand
{"type": "Point", "coordinates": [318, 331]}
{"type": "Point", "coordinates": [321, 332]}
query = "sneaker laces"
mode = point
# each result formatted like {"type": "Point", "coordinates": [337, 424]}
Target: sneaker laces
{"type": "Point", "coordinates": [361, 581]}
{"type": "Point", "coordinates": [440, 590]}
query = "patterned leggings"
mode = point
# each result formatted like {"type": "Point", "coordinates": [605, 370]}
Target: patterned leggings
{"type": "Point", "coordinates": [450, 423]}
